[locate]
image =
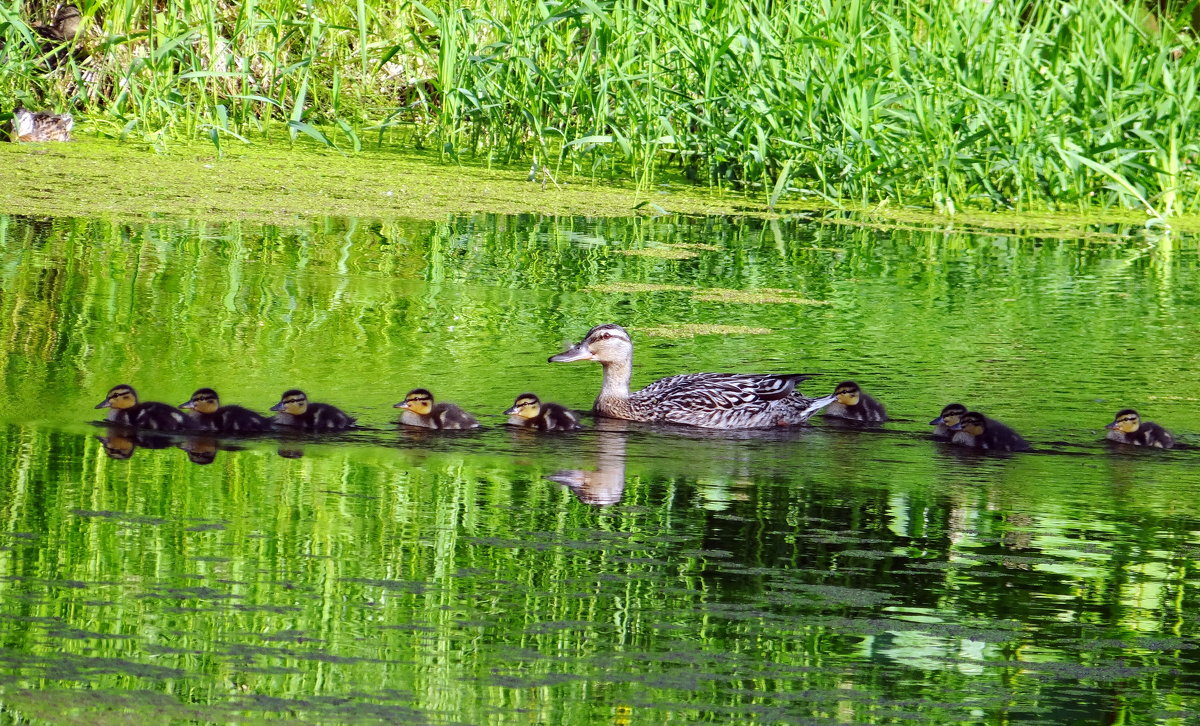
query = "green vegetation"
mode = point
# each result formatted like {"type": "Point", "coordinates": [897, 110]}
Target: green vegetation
{"type": "Point", "coordinates": [991, 105]}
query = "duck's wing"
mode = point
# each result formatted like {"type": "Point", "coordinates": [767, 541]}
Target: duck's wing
{"type": "Point", "coordinates": [721, 390]}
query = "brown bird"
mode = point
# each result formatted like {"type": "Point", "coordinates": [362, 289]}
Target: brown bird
{"type": "Point", "coordinates": [28, 126]}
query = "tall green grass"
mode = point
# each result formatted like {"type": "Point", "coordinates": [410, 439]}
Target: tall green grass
{"type": "Point", "coordinates": [952, 103]}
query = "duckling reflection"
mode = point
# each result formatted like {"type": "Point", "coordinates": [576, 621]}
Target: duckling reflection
{"type": "Point", "coordinates": [294, 410]}
{"type": "Point", "coordinates": [853, 404]}
{"type": "Point", "coordinates": [530, 412]}
{"type": "Point", "coordinates": [605, 484]}
{"type": "Point", "coordinates": [121, 442]}
{"type": "Point", "coordinates": [1129, 428]}
{"type": "Point", "coordinates": [978, 431]}
{"type": "Point", "coordinates": [200, 449]}
{"type": "Point", "coordinates": [124, 408]}
{"type": "Point", "coordinates": [949, 416]}
{"type": "Point", "coordinates": [420, 410]}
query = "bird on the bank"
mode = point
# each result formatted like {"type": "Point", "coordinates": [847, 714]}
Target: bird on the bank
{"type": "Point", "coordinates": [531, 412]}
{"type": "Point", "coordinates": [710, 400]}
{"type": "Point", "coordinates": [420, 410]}
{"type": "Point", "coordinates": [1129, 428]}
{"type": "Point", "coordinates": [295, 411]}
{"type": "Point", "coordinates": [854, 404]}
{"type": "Point", "coordinates": [124, 408]}
{"type": "Point", "coordinates": [64, 26]}
{"type": "Point", "coordinates": [207, 414]}
{"type": "Point", "coordinates": [28, 126]}
{"type": "Point", "coordinates": [978, 431]}
{"type": "Point", "coordinates": [949, 416]}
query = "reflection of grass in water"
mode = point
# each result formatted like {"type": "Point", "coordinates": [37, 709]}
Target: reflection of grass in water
{"type": "Point", "coordinates": [626, 287]}
{"type": "Point", "coordinates": [689, 330]}
{"type": "Point", "coordinates": [755, 297]}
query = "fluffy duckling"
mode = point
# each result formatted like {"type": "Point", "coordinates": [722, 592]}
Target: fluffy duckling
{"type": "Point", "coordinates": [530, 412]}
{"type": "Point", "coordinates": [949, 416]}
{"type": "Point", "coordinates": [976, 430]}
{"type": "Point", "coordinates": [420, 410]}
{"type": "Point", "coordinates": [295, 411]}
{"type": "Point", "coordinates": [41, 126]}
{"type": "Point", "coordinates": [208, 414]}
{"type": "Point", "coordinates": [853, 404]}
{"type": "Point", "coordinates": [1129, 428]}
{"type": "Point", "coordinates": [123, 408]}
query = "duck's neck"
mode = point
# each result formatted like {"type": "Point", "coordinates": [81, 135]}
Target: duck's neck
{"type": "Point", "coordinates": [614, 390]}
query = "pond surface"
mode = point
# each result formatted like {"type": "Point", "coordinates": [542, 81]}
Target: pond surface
{"type": "Point", "coordinates": [624, 575]}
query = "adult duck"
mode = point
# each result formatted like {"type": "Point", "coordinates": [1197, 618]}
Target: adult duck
{"type": "Point", "coordinates": [709, 400]}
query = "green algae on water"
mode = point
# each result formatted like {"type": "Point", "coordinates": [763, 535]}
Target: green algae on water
{"type": "Point", "coordinates": [691, 330]}
{"type": "Point", "coordinates": [756, 297]}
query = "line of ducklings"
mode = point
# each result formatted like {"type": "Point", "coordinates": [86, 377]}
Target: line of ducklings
{"type": "Point", "coordinates": [204, 412]}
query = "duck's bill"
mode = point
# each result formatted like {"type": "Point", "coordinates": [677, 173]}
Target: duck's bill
{"type": "Point", "coordinates": [402, 404]}
{"type": "Point", "coordinates": [104, 404]}
{"type": "Point", "coordinates": [511, 411]}
{"type": "Point", "coordinates": [186, 404]}
{"type": "Point", "coordinates": [1112, 425]}
{"type": "Point", "coordinates": [578, 352]}
{"type": "Point", "coordinates": [278, 406]}
{"type": "Point", "coordinates": [937, 421]}
{"type": "Point", "coordinates": [957, 427]}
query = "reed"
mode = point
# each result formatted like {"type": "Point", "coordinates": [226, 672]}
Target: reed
{"type": "Point", "coordinates": [1004, 104]}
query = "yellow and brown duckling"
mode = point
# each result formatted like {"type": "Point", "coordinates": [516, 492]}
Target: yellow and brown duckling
{"type": "Point", "coordinates": [124, 408]}
{"type": "Point", "coordinates": [294, 410]}
{"type": "Point", "coordinates": [420, 410]}
{"type": "Point", "coordinates": [1129, 428]}
{"type": "Point", "coordinates": [531, 412]}
{"type": "Point", "coordinates": [949, 416]}
{"type": "Point", "coordinates": [208, 414]}
{"type": "Point", "coordinates": [978, 431]}
{"type": "Point", "coordinates": [855, 405]}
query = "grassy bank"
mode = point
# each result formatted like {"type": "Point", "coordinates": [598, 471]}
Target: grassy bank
{"type": "Point", "coordinates": [945, 105]}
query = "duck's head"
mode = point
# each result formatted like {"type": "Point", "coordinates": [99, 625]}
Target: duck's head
{"type": "Point", "coordinates": [604, 343]}
{"type": "Point", "coordinates": [119, 397]}
{"type": "Point", "coordinates": [971, 422]}
{"type": "Point", "coordinates": [847, 393]}
{"type": "Point", "coordinates": [527, 405]}
{"type": "Point", "coordinates": [292, 402]}
{"type": "Point", "coordinates": [67, 21]}
{"type": "Point", "coordinates": [204, 400]}
{"type": "Point", "coordinates": [418, 400]}
{"type": "Point", "coordinates": [949, 415]}
{"type": "Point", "coordinates": [1126, 421]}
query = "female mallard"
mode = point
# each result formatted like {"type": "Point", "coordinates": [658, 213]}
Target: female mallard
{"type": "Point", "coordinates": [976, 430]}
{"type": "Point", "coordinates": [208, 414]}
{"type": "Point", "coordinates": [949, 416]}
{"type": "Point", "coordinates": [531, 412]}
{"type": "Point", "coordinates": [123, 408]}
{"type": "Point", "coordinates": [295, 411]}
{"type": "Point", "coordinates": [710, 400]}
{"type": "Point", "coordinates": [28, 126]}
{"type": "Point", "coordinates": [853, 404]}
{"type": "Point", "coordinates": [420, 410]}
{"type": "Point", "coordinates": [1129, 428]}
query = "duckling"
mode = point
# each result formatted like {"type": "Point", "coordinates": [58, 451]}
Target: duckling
{"type": "Point", "coordinates": [1129, 428]}
{"type": "Point", "coordinates": [852, 403]}
{"type": "Point", "coordinates": [976, 430]}
{"type": "Point", "coordinates": [123, 406]}
{"type": "Point", "coordinates": [295, 411]}
{"type": "Point", "coordinates": [530, 412]}
{"type": "Point", "coordinates": [208, 414]}
{"type": "Point", "coordinates": [420, 410]}
{"type": "Point", "coordinates": [41, 126]}
{"type": "Point", "coordinates": [948, 417]}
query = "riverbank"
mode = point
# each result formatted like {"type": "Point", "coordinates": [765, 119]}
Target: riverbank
{"type": "Point", "coordinates": [288, 184]}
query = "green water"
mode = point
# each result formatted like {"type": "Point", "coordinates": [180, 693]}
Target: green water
{"type": "Point", "coordinates": [625, 575]}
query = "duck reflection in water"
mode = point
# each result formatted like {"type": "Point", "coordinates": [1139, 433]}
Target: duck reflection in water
{"type": "Point", "coordinates": [121, 442]}
{"type": "Point", "coordinates": [200, 449]}
{"type": "Point", "coordinates": [605, 484]}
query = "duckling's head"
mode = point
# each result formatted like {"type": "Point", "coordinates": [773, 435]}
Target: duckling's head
{"type": "Point", "coordinates": [293, 403]}
{"type": "Point", "coordinates": [1126, 421]}
{"type": "Point", "coordinates": [204, 400]}
{"type": "Point", "coordinates": [67, 20]}
{"type": "Point", "coordinates": [119, 397]}
{"type": "Point", "coordinates": [971, 422]}
{"type": "Point", "coordinates": [418, 400]}
{"type": "Point", "coordinates": [527, 405]}
{"type": "Point", "coordinates": [604, 343]}
{"type": "Point", "coordinates": [848, 393]}
{"type": "Point", "coordinates": [950, 415]}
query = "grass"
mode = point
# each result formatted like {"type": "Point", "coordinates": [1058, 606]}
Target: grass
{"type": "Point", "coordinates": [946, 105]}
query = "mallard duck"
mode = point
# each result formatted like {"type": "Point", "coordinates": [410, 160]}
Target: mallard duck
{"type": "Point", "coordinates": [41, 126]}
{"type": "Point", "coordinates": [1129, 428]}
{"type": "Point", "coordinates": [64, 26]}
{"type": "Point", "coordinates": [855, 405]}
{"type": "Point", "coordinates": [946, 419]}
{"type": "Point", "coordinates": [123, 408]}
{"type": "Point", "coordinates": [531, 412]}
{"type": "Point", "coordinates": [208, 414]}
{"type": "Point", "coordinates": [976, 430]}
{"type": "Point", "coordinates": [295, 411]}
{"type": "Point", "coordinates": [710, 400]}
{"type": "Point", "coordinates": [420, 410]}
